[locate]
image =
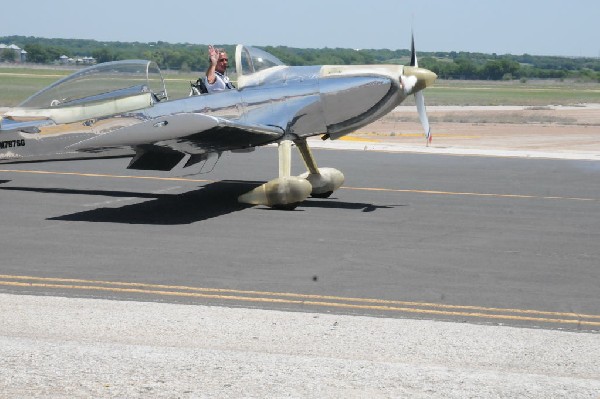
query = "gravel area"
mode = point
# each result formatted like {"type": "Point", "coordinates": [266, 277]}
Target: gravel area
{"type": "Point", "coordinates": [65, 347]}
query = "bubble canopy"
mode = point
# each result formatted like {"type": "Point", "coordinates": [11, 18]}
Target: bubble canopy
{"type": "Point", "coordinates": [101, 82]}
{"type": "Point", "coordinates": [250, 60]}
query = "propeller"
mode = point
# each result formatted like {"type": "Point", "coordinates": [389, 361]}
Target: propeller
{"type": "Point", "coordinates": [415, 79]}
{"type": "Point", "coordinates": [420, 100]}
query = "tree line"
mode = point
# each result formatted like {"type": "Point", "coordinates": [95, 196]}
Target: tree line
{"type": "Point", "coordinates": [193, 57]}
{"type": "Point", "coordinates": [463, 65]}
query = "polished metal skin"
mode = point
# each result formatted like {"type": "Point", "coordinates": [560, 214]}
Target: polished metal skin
{"type": "Point", "coordinates": [122, 109]}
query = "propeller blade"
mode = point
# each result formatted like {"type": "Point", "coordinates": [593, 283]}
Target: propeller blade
{"type": "Point", "coordinates": [413, 53]}
{"type": "Point", "coordinates": [415, 80]}
{"type": "Point", "coordinates": [420, 101]}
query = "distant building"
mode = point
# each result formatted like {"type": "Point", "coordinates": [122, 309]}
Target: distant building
{"type": "Point", "coordinates": [89, 60]}
{"type": "Point", "coordinates": [12, 53]}
{"type": "Point", "coordinates": [64, 60]}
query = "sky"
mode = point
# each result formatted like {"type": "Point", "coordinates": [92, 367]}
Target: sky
{"type": "Point", "coordinates": [545, 27]}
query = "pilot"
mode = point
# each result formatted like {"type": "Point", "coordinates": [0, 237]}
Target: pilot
{"type": "Point", "coordinates": [216, 75]}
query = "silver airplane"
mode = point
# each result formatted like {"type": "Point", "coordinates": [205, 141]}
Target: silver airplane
{"type": "Point", "coordinates": [121, 109]}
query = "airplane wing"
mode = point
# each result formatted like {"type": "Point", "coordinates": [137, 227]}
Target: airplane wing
{"type": "Point", "coordinates": [184, 132]}
{"type": "Point", "coordinates": [162, 142]}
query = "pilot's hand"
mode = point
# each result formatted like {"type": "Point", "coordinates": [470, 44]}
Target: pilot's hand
{"type": "Point", "coordinates": [213, 56]}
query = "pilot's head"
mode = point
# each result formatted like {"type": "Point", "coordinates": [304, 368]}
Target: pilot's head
{"type": "Point", "coordinates": [222, 61]}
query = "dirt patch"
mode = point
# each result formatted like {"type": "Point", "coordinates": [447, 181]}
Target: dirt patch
{"type": "Point", "coordinates": [511, 128]}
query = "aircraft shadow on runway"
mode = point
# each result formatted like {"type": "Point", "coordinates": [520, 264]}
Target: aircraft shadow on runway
{"type": "Point", "coordinates": [333, 203]}
{"type": "Point", "coordinates": [209, 201]}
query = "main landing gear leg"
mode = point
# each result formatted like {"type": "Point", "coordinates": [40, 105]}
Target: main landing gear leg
{"type": "Point", "coordinates": [324, 181]}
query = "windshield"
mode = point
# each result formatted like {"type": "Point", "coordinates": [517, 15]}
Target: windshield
{"type": "Point", "coordinates": [250, 60]}
{"type": "Point", "coordinates": [101, 82]}
{"type": "Point", "coordinates": [255, 67]}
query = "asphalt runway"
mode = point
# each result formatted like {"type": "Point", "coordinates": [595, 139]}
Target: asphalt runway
{"type": "Point", "coordinates": [477, 239]}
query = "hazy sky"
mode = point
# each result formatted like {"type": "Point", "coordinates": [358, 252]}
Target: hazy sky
{"type": "Point", "coordinates": [548, 27]}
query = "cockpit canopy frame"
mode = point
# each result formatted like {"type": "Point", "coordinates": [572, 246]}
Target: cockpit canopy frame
{"type": "Point", "coordinates": [102, 82]}
{"type": "Point", "coordinates": [253, 65]}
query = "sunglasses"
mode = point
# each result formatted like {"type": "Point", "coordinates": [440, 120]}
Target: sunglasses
{"type": "Point", "coordinates": [223, 59]}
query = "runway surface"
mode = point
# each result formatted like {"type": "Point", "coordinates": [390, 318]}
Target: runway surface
{"type": "Point", "coordinates": [317, 302]}
{"type": "Point", "coordinates": [483, 240]}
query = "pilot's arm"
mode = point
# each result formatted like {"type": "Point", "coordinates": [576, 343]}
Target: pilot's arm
{"type": "Point", "coordinates": [213, 57]}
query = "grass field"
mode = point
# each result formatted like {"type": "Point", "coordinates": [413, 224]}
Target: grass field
{"type": "Point", "coordinates": [16, 84]}
{"type": "Point", "coordinates": [533, 93]}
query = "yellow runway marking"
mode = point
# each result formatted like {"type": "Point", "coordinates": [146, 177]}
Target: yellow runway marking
{"type": "Point", "coordinates": [391, 190]}
{"type": "Point", "coordinates": [45, 172]}
{"type": "Point", "coordinates": [359, 139]}
{"type": "Point", "coordinates": [419, 135]}
{"type": "Point", "coordinates": [470, 194]}
{"type": "Point", "coordinates": [317, 301]}
{"type": "Point", "coordinates": [32, 75]}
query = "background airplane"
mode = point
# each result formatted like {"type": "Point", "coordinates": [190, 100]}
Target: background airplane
{"type": "Point", "coordinates": [122, 108]}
